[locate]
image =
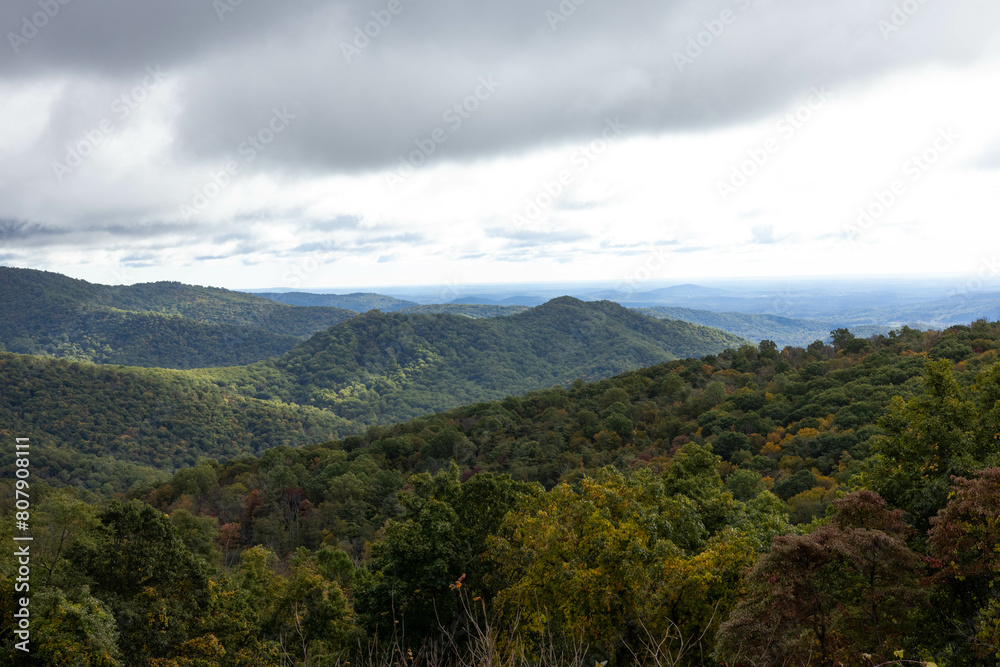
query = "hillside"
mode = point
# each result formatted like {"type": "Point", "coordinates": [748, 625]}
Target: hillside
{"type": "Point", "coordinates": [384, 367]}
{"type": "Point", "coordinates": [755, 327]}
{"type": "Point", "coordinates": [165, 324]}
{"type": "Point", "coordinates": [374, 369]}
{"type": "Point", "coordinates": [699, 497]}
{"type": "Point", "coordinates": [802, 420]}
{"type": "Point", "coordinates": [155, 419]}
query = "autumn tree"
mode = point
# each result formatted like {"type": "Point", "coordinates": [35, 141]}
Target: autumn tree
{"type": "Point", "coordinates": [965, 544]}
{"type": "Point", "coordinates": [848, 588]}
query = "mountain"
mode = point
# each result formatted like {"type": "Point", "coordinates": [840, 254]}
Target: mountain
{"type": "Point", "coordinates": [384, 367]}
{"type": "Point", "coordinates": [165, 324]}
{"type": "Point", "coordinates": [376, 368]}
{"type": "Point", "coordinates": [92, 425]}
{"type": "Point", "coordinates": [360, 302]}
{"type": "Point", "coordinates": [754, 327]}
{"type": "Point", "coordinates": [670, 483]}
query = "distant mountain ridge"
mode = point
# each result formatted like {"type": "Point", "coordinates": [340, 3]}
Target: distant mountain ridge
{"type": "Point", "coordinates": [755, 327]}
{"type": "Point", "coordinates": [360, 302]}
{"type": "Point", "coordinates": [165, 324]}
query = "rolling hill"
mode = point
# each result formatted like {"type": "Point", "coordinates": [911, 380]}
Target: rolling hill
{"type": "Point", "coordinates": [384, 367]}
{"type": "Point", "coordinates": [164, 324]}
{"type": "Point", "coordinates": [377, 368]}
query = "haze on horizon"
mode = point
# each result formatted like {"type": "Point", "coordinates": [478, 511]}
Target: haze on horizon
{"type": "Point", "coordinates": [266, 143]}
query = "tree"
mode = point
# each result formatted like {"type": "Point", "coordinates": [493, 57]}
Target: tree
{"type": "Point", "coordinates": [841, 338]}
{"type": "Point", "coordinates": [848, 588]}
{"type": "Point", "coordinates": [744, 484]}
{"type": "Point", "coordinates": [309, 612]}
{"type": "Point", "coordinates": [150, 581]}
{"type": "Point", "coordinates": [619, 561]}
{"type": "Point", "coordinates": [965, 543]}
{"type": "Point", "coordinates": [438, 538]}
{"type": "Point", "coordinates": [946, 431]}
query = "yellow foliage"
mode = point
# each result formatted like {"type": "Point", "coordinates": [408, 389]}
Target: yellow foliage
{"type": "Point", "coordinates": [770, 448]}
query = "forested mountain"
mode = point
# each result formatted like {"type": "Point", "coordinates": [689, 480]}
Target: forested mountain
{"type": "Point", "coordinates": [360, 302]}
{"type": "Point", "coordinates": [754, 327]}
{"type": "Point", "coordinates": [153, 418]}
{"type": "Point", "coordinates": [384, 367]}
{"type": "Point", "coordinates": [363, 302]}
{"type": "Point", "coordinates": [834, 504]}
{"type": "Point", "coordinates": [164, 324]}
{"type": "Point", "coordinates": [374, 369]}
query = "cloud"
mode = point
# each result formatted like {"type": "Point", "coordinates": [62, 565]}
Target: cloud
{"type": "Point", "coordinates": [606, 60]}
{"type": "Point", "coordinates": [491, 97]}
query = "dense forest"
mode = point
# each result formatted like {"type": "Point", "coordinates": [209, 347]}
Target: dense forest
{"type": "Point", "coordinates": [386, 367]}
{"type": "Point", "coordinates": [168, 325]}
{"type": "Point", "coordinates": [374, 369]}
{"type": "Point", "coordinates": [834, 504]}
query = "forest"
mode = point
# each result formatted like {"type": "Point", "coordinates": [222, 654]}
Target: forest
{"type": "Point", "coordinates": [166, 324]}
{"type": "Point", "coordinates": [833, 504]}
{"type": "Point", "coordinates": [95, 423]}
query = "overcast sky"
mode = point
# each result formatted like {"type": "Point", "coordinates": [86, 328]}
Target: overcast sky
{"type": "Point", "coordinates": [307, 143]}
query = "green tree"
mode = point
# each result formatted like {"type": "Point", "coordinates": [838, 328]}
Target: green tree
{"type": "Point", "coordinates": [946, 431]}
{"type": "Point", "coordinates": [150, 581]}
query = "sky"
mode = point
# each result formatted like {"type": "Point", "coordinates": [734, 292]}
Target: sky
{"type": "Point", "coordinates": [312, 143]}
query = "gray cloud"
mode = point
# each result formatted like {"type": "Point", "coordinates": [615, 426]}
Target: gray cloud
{"type": "Point", "coordinates": [606, 60]}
